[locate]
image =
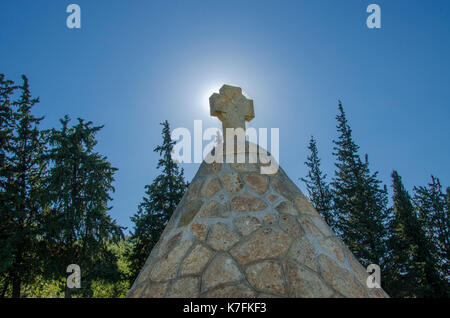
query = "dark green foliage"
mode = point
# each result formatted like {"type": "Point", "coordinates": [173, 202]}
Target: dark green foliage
{"type": "Point", "coordinates": [412, 266]}
{"type": "Point", "coordinates": [318, 190]}
{"type": "Point", "coordinates": [21, 182]}
{"type": "Point", "coordinates": [359, 201]}
{"type": "Point", "coordinates": [78, 227]}
{"type": "Point", "coordinates": [119, 286]}
{"type": "Point", "coordinates": [7, 89]}
{"type": "Point", "coordinates": [161, 198]}
{"type": "Point", "coordinates": [433, 211]}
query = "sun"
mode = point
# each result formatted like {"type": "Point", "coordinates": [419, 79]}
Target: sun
{"type": "Point", "coordinates": [207, 94]}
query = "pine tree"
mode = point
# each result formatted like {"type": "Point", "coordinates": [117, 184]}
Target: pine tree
{"type": "Point", "coordinates": [359, 202]}
{"type": "Point", "coordinates": [78, 227]}
{"type": "Point", "coordinates": [160, 201]}
{"type": "Point", "coordinates": [22, 186]}
{"type": "Point", "coordinates": [431, 204]}
{"type": "Point", "coordinates": [7, 89]}
{"type": "Point", "coordinates": [410, 251]}
{"type": "Point", "coordinates": [318, 190]}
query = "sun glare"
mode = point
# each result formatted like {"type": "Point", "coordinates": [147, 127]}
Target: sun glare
{"type": "Point", "coordinates": [214, 89]}
{"type": "Point", "coordinates": [207, 94]}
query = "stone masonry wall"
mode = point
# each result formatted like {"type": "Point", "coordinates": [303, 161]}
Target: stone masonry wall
{"type": "Point", "coordinates": [238, 233]}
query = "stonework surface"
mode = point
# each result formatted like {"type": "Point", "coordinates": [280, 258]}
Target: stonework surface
{"type": "Point", "coordinates": [238, 233]}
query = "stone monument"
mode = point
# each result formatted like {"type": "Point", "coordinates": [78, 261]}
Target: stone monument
{"type": "Point", "coordinates": [239, 233]}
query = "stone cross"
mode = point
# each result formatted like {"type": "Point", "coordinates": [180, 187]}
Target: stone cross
{"type": "Point", "coordinates": [231, 107]}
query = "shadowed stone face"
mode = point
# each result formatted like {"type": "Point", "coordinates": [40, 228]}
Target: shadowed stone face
{"type": "Point", "coordinates": [241, 234]}
{"type": "Point", "coordinates": [305, 283]}
{"type": "Point", "coordinates": [266, 276]}
{"type": "Point", "coordinates": [221, 238]}
{"type": "Point", "coordinates": [222, 270]}
{"type": "Point", "coordinates": [247, 202]}
{"type": "Point", "coordinates": [196, 260]}
{"type": "Point", "coordinates": [269, 242]}
{"type": "Point", "coordinates": [236, 291]}
{"type": "Point", "coordinates": [184, 288]}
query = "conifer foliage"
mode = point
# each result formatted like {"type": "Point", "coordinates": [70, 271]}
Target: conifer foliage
{"type": "Point", "coordinates": [79, 184]}
{"type": "Point", "coordinates": [410, 241]}
{"type": "Point", "coordinates": [54, 198]}
{"type": "Point", "coordinates": [22, 158]}
{"type": "Point", "coordinates": [409, 248]}
{"type": "Point", "coordinates": [160, 201]}
{"type": "Point", "coordinates": [432, 206]}
{"type": "Point", "coordinates": [318, 189]}
{"type": "Point", "coordinates": [6, 221]}
{"type": "Point", "coordinates": [360, 203]}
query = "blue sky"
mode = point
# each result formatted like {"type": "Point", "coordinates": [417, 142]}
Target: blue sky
{"type": "Point", "coordinates": [136, 63]}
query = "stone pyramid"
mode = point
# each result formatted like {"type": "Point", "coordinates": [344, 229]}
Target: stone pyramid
{"type": "Point", "coordinates": [240, 233]}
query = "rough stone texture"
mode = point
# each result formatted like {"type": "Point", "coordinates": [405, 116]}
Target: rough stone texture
{"type": "Point", "coordinates": [186, 287]}
{"type": "Point", "coordinates": [309, 227]}
{"type": "Point", "coordinates": [215, 209]}
{"type": "Point", "coordinates": [331, 247]}
{"type": "Point", "coordinates": [247, 202]}
{"type": "Point", "coordinates": [194, 190]}
{"type": "Point", "coordinates": [275, 244]}
{"type": "Point", "coordinates": [287, 208]}
{"type": "Point", "coordinates": [266, 243]}
{"type": "Point", "coordinates": [189, 212]}
{"type": "Point", "coordinates": [257, 182]}
{"type": "Point", "coordinates": [222, 269]}
{"type": "Point", "coordinates": [209, 168]}
{"type": "Point", "coordinates": [166, 268]}
{"type": "Point", "coordinates": [210, 187]}
{"type": "Point", "coordinates": [234, 291]}
{"type": "Point", "coordinates": [232, 182]}
{"type": "Point", "coordinates": [245, 167]}
{"type": "Point", "coordinates": [377, 293]}
{"type": "Point", "coordinates": [199, 230]}
{"type": "Point", "coordinates": [247, 224]}
{"type": "Point", "coordinates": [270, 219]}
{"type": "Point", "coordinates": [305, 283]}
{"type": "Point", "coordinates": [170, 244]}
{"type": "Point", "coordinates": [221, 238]}
{"type": "Point", "coordinates": [304, 206]}
{"type": "Point", "coordinates": [237, 233]}
{"type": "Point", "coordinates": [282, 189]}
{"type": "Point", "coordinates": [137, 290]}
{"type": "Point", "coordinates": [322, 226]}
{"type": "Point", "coordinates": [155, 290]}
{"type": "Point", "coordinates": [266, 276]}
{"type": "Point", "coordinates": [196, 261]}
{"type": "Point", "coordinates": [358, 269]}
{"type": "Point", "coordinates": [340, 279]}
{"type": "Point", "coordinates": [303, 252]}
{"type": "Point", "coordinates": [290, 225]}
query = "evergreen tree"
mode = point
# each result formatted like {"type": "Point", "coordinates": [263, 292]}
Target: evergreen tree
{"type": "Point", "coordinates": [21, 186]}
{"type": "Point", "coordinates": [7, 89]}
{"type": "Point", "coordinates": [78, 227]}
{"type": "Point", "coordinates": [318, 190]}
{"type": "Point", "coordinates": [432, 206]}
{"type": "Point", "coordinates": [411, 260]}
{"type": "Point", "coordinates": [359, 202]}
{"type": "Point", "coordinates": [160, 201]}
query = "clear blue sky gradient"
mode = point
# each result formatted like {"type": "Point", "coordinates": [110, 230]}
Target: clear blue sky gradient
{"type": "Point", "coordinates": [136, 63]}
